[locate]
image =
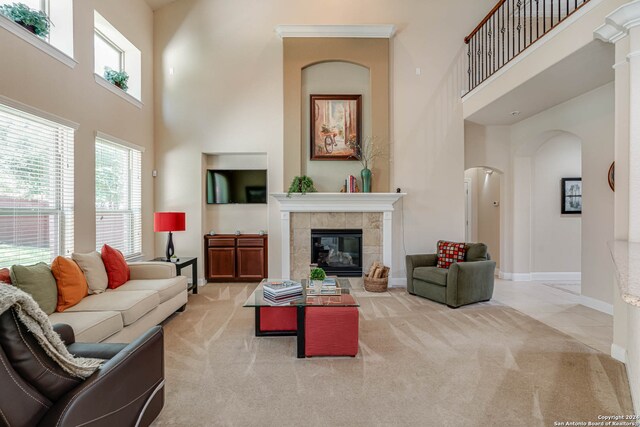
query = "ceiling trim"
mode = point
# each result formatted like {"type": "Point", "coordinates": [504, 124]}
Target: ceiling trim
{"type": "Point", "coordinates": [385, 31]}
{"type": "Point", "coordinates": [619, 22]}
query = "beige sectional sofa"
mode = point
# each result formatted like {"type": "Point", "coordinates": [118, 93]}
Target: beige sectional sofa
{"type": "Point", "coordinates": [121, 315]}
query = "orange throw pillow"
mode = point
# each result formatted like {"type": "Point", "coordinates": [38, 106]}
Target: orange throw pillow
{"type": "Point", "coordinates": [117, 268]}
{"type": "Point", "coordinates": [70, 281]}
{"type": "Point", "coordinates": [5, 276]}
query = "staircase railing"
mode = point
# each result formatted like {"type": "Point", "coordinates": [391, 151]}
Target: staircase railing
{"type": "Point", "coordinates": [510, 28]}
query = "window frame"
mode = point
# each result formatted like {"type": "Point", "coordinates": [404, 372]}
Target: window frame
{"type": "Point", "coordinates": [63, 49]}
{"type": "Point", "coordinates": [121, 52]}
{"type": "Point", "coordinates": [64, 180]}
{"type": "Point", "coordinates": [108, 140]}
{"type": "Point", "coordinates": [132, 64]}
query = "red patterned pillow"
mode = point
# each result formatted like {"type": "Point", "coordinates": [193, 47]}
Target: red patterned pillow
{"type": "Point", "coordinates": [450, 252]}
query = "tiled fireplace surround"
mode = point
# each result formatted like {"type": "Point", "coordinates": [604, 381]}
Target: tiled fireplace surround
{"type": "Point", "coordinates": [303, 222]}
{"type": "Point", "coordinates": [299, 214]}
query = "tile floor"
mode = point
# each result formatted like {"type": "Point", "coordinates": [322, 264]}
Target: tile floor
{"type": "Point", "coordinates": [558, 305]}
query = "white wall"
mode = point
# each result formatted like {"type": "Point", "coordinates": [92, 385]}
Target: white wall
{"type": "Point", "coordinates": [488, 214]}
{"type": "Point", "coordinates": [225, 95]}
{"type": "Point", "coordinates": [556, 238]}
{"type": "Point", "coordinates": [589, 117]}
{"type": "Point", "coordinates": [38, 80]}
{"type": "Point", "coordinates": [485, 216]}
{"type": "Point", "coordinates": [471, 176]}
{"type": "Point", "coordinates": [333, 78]}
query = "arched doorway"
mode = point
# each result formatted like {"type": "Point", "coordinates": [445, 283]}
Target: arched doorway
{"type": "Point", "coordinates": [483, 187]}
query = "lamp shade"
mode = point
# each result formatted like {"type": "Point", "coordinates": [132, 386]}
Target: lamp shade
{"type": "Point", "coordinates": [168, 221]}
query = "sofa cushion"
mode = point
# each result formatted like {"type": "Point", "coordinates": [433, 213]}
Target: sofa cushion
{"type": "Point", "coordinates": [166, 288]}
{"type": "Point", "coordinates": [93, 268]}
{"type": "Point", "coordinates": [70, 281]}
{"type": "Point", "coordinates": [116, 266]}
{"type": "Point", "coordinates": [435, 275]}
{"type": "Point", "coordinates": [38, 281]}
{"type": "Point", "coordinates": [450, 252]}
{"type": "Point", "coordinates": [132, 305]}
{"type": "Point", "coordinates": [90, 326]}
{"type": "Point", "coordinates": [476, 252]}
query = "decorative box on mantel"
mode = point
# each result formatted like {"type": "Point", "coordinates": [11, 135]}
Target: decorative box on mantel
{"type": "Point", "coordinates": [336, 205]}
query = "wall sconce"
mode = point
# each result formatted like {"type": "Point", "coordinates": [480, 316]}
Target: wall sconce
{"type": "Point", "coordinates": [488, 171]}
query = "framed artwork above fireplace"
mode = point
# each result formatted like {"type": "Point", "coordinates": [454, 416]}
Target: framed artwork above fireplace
{"type": "Point", "coordinates": [336, 127]}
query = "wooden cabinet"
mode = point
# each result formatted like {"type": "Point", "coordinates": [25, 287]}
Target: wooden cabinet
{"type": "Point", "coordinates": [232, 258]}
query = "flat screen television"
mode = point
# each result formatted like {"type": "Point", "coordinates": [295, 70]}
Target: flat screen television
{"type": "Point", "coordinates": [236, 186]}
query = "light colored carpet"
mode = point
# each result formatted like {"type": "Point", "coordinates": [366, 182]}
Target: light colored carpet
{"type": "Point", "coordinates": [420, 364]}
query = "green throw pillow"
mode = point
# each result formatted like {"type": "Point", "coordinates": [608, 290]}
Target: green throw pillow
{"type": "Point", "coordinates": [38, 281]}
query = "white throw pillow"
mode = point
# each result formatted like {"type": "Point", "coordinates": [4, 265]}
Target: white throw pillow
{"type": "Point", "coordinates": [93, 268]}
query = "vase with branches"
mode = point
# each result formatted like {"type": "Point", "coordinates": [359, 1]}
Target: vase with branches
{"type": "Point", "coordinates": [366, 153]}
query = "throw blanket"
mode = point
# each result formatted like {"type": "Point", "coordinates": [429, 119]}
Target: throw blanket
{"type": "Point", "coordinates": [37, 322]}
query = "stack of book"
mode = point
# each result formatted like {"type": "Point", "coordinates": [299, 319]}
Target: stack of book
{"type": "Point", "coordinates": [281, 291]}
{"type": "Point", "coordinates": [350, 184]}
{"type": "Point", "coordinates": [329, 287]}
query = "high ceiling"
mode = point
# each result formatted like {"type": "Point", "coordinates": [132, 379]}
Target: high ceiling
{"type": "Point", "coordinates": [157, 4]}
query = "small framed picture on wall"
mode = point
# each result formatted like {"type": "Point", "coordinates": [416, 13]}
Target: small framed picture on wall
{"type": "Point", "coordinates": [571, 196]}
{"type": "Point", "coordinates": [335, 127]}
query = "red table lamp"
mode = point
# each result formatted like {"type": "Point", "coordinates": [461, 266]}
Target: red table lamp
{"type": "Point", "coordinates": [169, 221]}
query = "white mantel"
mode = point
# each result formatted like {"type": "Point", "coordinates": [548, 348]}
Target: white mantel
{"type": "Point", "coordinates": [337, 202]}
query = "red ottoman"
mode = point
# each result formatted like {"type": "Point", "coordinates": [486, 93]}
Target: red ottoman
{"type": "Point", "coordinates": [331, 331]}
{"type": "Point", "coordinates": [274, 319]}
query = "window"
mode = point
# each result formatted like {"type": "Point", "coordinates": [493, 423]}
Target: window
{"type": "Point", "coordinates": [36, 188]}
{"type": "Point", "coordinates": [118, 196]}
{"type": "Point", "coordinates": [113, 50]}
{"type": "Point", "coordinates": [61, 14]}
{"type": "Point", "coordinates": [108, 54]}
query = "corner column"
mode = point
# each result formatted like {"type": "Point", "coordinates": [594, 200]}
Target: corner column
{"type": "Point", "coordinates": [285, 227]}
{"type": "Point", "coordinates": [387, 236]}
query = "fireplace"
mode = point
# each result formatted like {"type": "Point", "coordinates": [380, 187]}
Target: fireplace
{"type": "Point", "coordinates": [338, 252]}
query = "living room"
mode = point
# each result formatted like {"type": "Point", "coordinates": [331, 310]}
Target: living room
{"type": "Point", "coordinates": [220, 86]}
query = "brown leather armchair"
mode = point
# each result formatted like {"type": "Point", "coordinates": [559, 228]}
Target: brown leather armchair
{"type": "Point", "coordinates": [127, 390]}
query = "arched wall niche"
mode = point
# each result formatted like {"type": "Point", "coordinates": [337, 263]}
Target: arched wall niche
{"type": "Point", "coordinates": [301, 53]}
{"type": "Point", "coordinates": [333, 78]}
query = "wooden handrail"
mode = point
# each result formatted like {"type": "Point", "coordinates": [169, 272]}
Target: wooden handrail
{"type": "Point", "coordinates": [484, 21]}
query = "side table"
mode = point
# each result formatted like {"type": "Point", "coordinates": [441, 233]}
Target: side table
{"type": "Point", "coordinates": [183, 262]}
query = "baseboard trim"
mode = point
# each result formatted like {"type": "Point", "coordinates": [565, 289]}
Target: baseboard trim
{"type": "Point", "coordinates": [559, 275]}
{"type": "Point", "coordinates": [515, 277]}
{"type": "Point", "coordinates": [527, 277]}
{"type": "Point", "coordinates": [397, 282]}
{"type": "Point", "coordinates": [632, 384]}
{"type": "Point", "coordinates": [596, 304]}
{"type": "Point", "coordinates": [619, 353]}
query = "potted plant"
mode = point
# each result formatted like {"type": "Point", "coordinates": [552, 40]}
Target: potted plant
{"type": "Point", "coordinates": [301, 184]}
{"type": "Point", "coordinates": [317, 276]}
{"type": "Point", "coordinates": [118, 78]}
{"type": "Point", "coordinates": [33, 20]}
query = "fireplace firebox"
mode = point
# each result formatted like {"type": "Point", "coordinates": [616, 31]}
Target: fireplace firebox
{"type": "Point", "coordinates": [338, 252]}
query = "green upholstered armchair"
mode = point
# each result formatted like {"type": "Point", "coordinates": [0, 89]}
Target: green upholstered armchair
{"type": "Point", "coordinates": [462, 283]}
